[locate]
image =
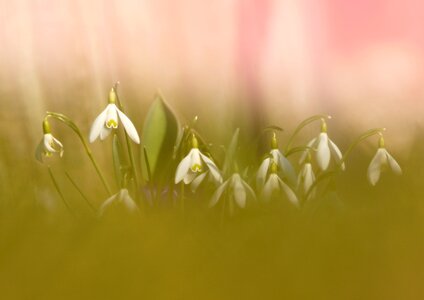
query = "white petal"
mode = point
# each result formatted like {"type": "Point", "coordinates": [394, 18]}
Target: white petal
{"type": "Point", "coordinates": [323, 151]}
{"type": "Point", "coordinates": [310, 144]}
{"type": "Point", "coordinates": [195, 161]}
{"type": "Point", "coordinates": [112, 116]}
{"type": "Point", "coordinates": [104, 133]}
{"type": "Point", "coordinates": [190, 176]}
{"type": "Point", "coordinates": [309, 177]}
{"type": "Point", "coordinates": [249, 189]}
{"type": "Point", "coordinates": [239, 192]}
{"type": "Point", "coordinates": [212, 167]}
{"type": "Point", "coordinates": [121, 197]}
{"type": "Point", "coordinates": [270, 186]}
{"type": "Point", "coordinates": [182, 168]}
{"type": "Point", "coordinates": [129, 127]}
{"type": "Point", "coordinates": [262, 172]}
{"type": "Point", "coordinates": [285, 165]}
{"type": "Point", "coordinates": [197, 181]}
{"type": "Point", "coordinates": [336, 153]}
{"type": "Point", "coordinates": [127, 200]}
{"type": "Point", "coordinates": [217, 194]}
{"type": "Point", "coordinates": [374, 168]}
{"type": "Point", "coordinates": [48, 139]}
{"type": "Point", "coordinates": [290, 194]}
{"type": "Point", "coordinates": [98, 124]}
{"type": "Point", "coordinates": [393, 164]}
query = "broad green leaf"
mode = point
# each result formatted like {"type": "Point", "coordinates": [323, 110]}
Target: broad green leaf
{"type": "Point", "coordinates": [160, 133]}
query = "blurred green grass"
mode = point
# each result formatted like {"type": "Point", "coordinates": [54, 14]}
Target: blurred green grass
{"type": "Point", "coordinates": [361, 243]}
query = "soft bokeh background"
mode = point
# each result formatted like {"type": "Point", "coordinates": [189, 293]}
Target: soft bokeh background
{"type": "Point", "coordinates": [260, 61]}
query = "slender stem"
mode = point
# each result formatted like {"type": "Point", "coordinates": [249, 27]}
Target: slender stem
{"type": "Point", "coordinates": [127, 139]}
{"type": "Point", "coordinates": [56, 185]}
{"type": "Point", "coordinates": [80, 191]}
{"type": "Point", "coordinates": [359, 139]}
{"type": "Point", "coordinates": [301, 126]}
{"type": "Point", "coordinates": [64, 119]}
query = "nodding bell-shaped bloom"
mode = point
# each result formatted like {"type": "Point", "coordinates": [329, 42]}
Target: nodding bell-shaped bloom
{"type": "Point", "coordinates": [120, 199]}
{"type": "Point", "coordinates": [381, 160]}
{"type": "Point", "coordinates": [325, 149]}
{"type": "Point", "coordinates": [108, 120]}
{"type": "Point", "coordinates": [195, 166]}
{"type": "Point", "coordinates": [282, 162]}
{"type": "Point", "coordinates": [237, 189]}
{"type": "Point", "coordinates": [48, 144]}
{"type": "Point", "coordinates": [274, 184]}
{"type": "Point", "coordinates": [306, 176]}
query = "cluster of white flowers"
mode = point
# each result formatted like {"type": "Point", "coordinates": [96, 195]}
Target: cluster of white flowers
{"type": "Point", "coordinates": [275, 176]}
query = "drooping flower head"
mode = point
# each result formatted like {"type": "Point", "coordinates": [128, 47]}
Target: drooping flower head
{"type": "Point", "coordinates": [195, 166]}
{"type": "Point", "coordinates": [48, 144]}
{"type": "Point", "coordinates": [284, 166]}
{"type": "Point", "coordinates": [237, 189]}
{"type": "Point", "coordinates": [325, 149]}
{"type": "Point", "coordinates": [381, 161]}
{"type": "Point", "coordinates": [306, 176]}
{"type": "Point", "coordinates": [108, 120]}
{"type": "Point", "coordinates": [121, 199]}
{"type": "Point", "coordinates": [274, 185]}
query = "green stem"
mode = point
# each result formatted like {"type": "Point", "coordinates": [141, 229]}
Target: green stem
{"type": "Point", "coordinates": [127, 139]}
{"type": "Point", "coordinates": [64, 119]}
{"type": "Point", "coordinates": [301, 126]}
{"type": "Point", "coordinates": [56, 185]}
{"type": "Point", "coordinates": [359, 139]}
{"type": "Point", "coordinates": [79, 191]}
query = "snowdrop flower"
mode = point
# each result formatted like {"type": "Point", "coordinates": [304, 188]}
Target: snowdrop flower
{"type": "Point", "coordinates": [107, 120]}
{"type": "Point", "coordinates": [48, 144]}
{"type": "Point", "coordinates": [325, 148]}
{"type": "Point", "coordinates": [282, 162]}
{"type": "Point", "coordinates": [382, 159]}
{"type": "Point", "coordinates": [306, 176]}
{"type": "Point", "coordinates": [123, 199]}
{"type": "Point", "coordinates": [237, 189]}
{"type": "Point", "coordinates": [275, 184]}
{"type": "Point", "coordinates": [192, 167]}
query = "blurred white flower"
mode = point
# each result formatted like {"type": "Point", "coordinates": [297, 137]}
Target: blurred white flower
{"type": "Point", "coordinates": [274, 184]}
{"type": "Point", "coordinates": [48, 144]}
{"type": "Point", "coordinates": [237, 189]}
{"type": "Point", "coordinates": [283, 163]}
{"type": "Point", "coordinates": [107, 120]}
{"type": "Point", "coordinates": [123, 199]}
{"type": "Point", "coordinates": [325, 149]}
{"type": "Point", "coordinates": [381, 160]}
{"type": "Point", "coordinates": [306, 177]}
{"type": "Point", "coordinates": [192, 167]}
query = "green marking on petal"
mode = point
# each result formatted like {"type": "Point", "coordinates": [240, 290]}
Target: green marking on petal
{"type": "Point", "coordinates": [196, 168]}
{"type": "Point", "coordinates": [111, 124]}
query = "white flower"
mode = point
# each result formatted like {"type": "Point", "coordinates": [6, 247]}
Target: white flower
{"type": "Point", "coordinates": [122, 198]}
{"type": "Point", "coordinates": [306, 178]}
{"type": "Point", "coordinates": [325, 148]}
{"type": "Point", "coordinates": [192, 167]}
{"type": "Point", "coordinates": [283, 164]}
{"type": "Point", "coordinates": [48, 144]}
{"type": "Point", "coordinates": [108, 120]}
{"type": "Point", "coordinates": [275, 184]}
{"type": "Point", "coordinates": [381, 160]}
{"type": "Point", "coordinates": [237, 189]}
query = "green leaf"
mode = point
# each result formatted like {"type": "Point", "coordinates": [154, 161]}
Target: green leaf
{"type": "Point", "coordinates": [160, 132]}
{"type": "Point", "coordinates": [231, 151]}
